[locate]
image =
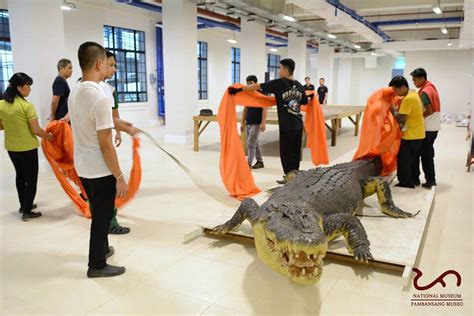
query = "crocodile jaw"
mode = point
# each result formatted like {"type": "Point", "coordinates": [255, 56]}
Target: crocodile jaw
{"type": "Point", "coordinates": [301, 263]}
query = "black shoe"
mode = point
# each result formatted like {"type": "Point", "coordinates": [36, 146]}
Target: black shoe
{"type": "Point", "coordinates": [428, 185]}
{"type": "Point", "coordinates": [27, 216]}
{"type": "Point", "coordinates": [119, 230]}
{"type": "Point", "coordinates": [110, 253]}
{"type": "Point", "coordinates": [258, 165]}
{"type": "Point", "coordinates": [400, 185]}
{"type": "Point", "coordinates": [416, 183]}
{"type": "Point", "coordinates": [107, 271]}
{"type": "Point", "coordinates": [282, 181]}
{"type": "Point", "coordinates": [34, 206]}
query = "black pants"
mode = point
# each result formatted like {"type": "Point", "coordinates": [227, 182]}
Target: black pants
{"type": "Point", "coordinates": [290, 149]}
{"type": "Point", "coordinates": [26, 167]}
{"type": "Point", "coordinates": [101, 193]}
{"type": "Point", "coordinates": [406, 160]}
{"type": "Point", "coordinates": [426, 153]}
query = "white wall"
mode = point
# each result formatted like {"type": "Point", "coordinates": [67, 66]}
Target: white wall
{"type": "Point", "coordinates": [87, 23]}
{"type": "Point", "coordinates": [450, 71]}
{"type": "Point", "coordinates": [354, 83]}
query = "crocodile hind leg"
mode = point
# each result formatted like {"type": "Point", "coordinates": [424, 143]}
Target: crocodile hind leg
{"type": "Point", "coordinates": [247, 207]}
{"type": "Point", "coordinates": [384, 195]}
{"type": "Point", "coordinates": [347, 225]}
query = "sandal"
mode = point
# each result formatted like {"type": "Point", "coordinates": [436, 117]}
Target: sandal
{"type": "Point", "coordinates": [119, 230]}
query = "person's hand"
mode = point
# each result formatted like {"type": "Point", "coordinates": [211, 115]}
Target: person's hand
{"type": "Point", "coordinates": [263, 127]}
{"type": "Point", "coordinates": [118, 139]}
{"type": "Point", "coordinates": [65, 119]}
{"type": "Point", "coordinates": [234, 91]}
{"type": "Point", "coordinates": [122, 187]}
{"type": "Point", "coordinates": [49, 137]}
{"type": "Point", "coordinates": [51, 118]}
{"type": "Point", "coordinates": [242, 127]}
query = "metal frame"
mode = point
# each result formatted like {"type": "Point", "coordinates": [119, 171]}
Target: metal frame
{"type": "Point", "coordinates": [235, 65]}
{"type": "Point", "coordinates": [201, 60]}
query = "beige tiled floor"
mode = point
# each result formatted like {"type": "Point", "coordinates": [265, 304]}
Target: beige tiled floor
{"type": "Point", "coordinates": [43, 262]}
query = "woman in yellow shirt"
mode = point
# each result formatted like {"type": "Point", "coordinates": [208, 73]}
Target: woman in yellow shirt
{"type": "Point", "coordinates": [412, 123]}
{"type": "Point", "coordinates": [19, 120]}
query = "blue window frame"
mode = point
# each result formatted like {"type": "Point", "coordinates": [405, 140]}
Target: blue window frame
{"type": "Point", "coordinates": [273, 66]}
{"type": "Point", "coordinates": [6, 57]}
{"type": "Point", "coordinates": [235, 73]}
{"type": "Point", "coordinates": [202, 70]}
{"type": "Point", "coordinates": [129, 48]}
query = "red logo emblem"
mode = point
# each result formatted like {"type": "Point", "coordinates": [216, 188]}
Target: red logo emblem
{"type": "Point", "coordinates": [439, 279]}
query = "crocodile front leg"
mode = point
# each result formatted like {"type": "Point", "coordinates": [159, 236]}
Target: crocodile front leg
{"type": "Point", "coordinates": [350, 227]}
{"type": "Point", "coordinates": [384, 195]}
{"type": "Point", "coordinates": [247, 207]}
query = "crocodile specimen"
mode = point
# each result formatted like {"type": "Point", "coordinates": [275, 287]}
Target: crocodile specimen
{"type": "Point", "coordinates": [293, 227]}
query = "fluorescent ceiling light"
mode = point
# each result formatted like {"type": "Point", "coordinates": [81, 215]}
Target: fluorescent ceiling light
{"type": "Point", "coordinates": [232, 41]}
{"type": "Point", "coordinates": [444, 30]}
{"type": "Point", "coordinates": [437, 9]}
{"type": "Point", "coordinates": [373, 54]}
{"type": "Point", "coordinates": [332, 36]}
{"type": "Point", "coordinates": [273, 50]}
{"type": "Point", "coordinates": [450, 44]}
{"type": "Point", "coordinates": [356, 46]}
{"type": "Point", "coordinates": [66, 8]}
{"type": "Point", "coordinates": [288, 18]}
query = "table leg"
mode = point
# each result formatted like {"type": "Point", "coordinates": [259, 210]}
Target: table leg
{"type": "Point", "coordinates": [334, 131]}
{"type": "Point", "coordinates": [357, 124]}
{"type": "Point", "coordinates": [196, 136]}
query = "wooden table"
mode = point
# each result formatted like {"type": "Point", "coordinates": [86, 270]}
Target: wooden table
{"type": "Point", "coordinates": [333, 113]}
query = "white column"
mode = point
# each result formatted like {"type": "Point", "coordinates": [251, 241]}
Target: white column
{"type": "Point", "coordinates": [252, 50]}
{"type": "Point", "coordinates": [180, 63]}
{"type": "Point", "coordinates": [326, 69]}
{"type": "Point", "coordinates": [37, 37]}
{"type": "Point", "coordinates": [343, 82]}
{"type": "Point", "coordinates": [297, 52]}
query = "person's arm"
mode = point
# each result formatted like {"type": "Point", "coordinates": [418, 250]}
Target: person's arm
{"type": "Point", "coordinates": [110, 156]}
{"type": "Point", "coordinates": [54, 106]}
{"type": "Point", "coordinates": [38, 131]}
{"type": "Point", "coordinates": [243, 123]}
{"type": "Point", "coordinates": [66, 118]}
{"type": "Point", "coordinates": [124, 126]}
{"type": "Point", "coordinates": [325, 101]}
{"type": "Point", "coordinates": [427, 108]}
{"type": "Point", "coordinates": [400, 118]}
{"type": "Point", "coordinates": [252, 87]}
{"type": "Point", "coordinates": [118, 135]}
{"type": "Point", "coordinates": [263, 124]}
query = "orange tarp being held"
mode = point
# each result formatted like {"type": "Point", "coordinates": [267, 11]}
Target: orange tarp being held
{"type": "Point", "coordinates": [234, 169]}
{"type": "Point", "coordinates": [60, 153]}
{"type": "Point", "coordinates": [380, 133]}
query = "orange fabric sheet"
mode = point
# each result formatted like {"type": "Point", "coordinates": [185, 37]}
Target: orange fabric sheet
{"type": "Point", "coordinates": [380, 133]}
{"type": "Point", "coordinates": [60, 155]}
{"type": "Point", "coordinates": [234, 169]}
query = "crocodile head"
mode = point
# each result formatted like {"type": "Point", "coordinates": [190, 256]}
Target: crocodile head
{"type": "Point", "coordinates": [292, 242]}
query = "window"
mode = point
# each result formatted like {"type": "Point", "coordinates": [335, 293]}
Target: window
{"type": "Point", "coordinates": [273, 65]}
{"type": "Point", "coordinates": [202, 70]}
{"type": "Point", "coordinates": [129, 49]}
{"type": "Point", "coordinates": [235, 65]}
{"type": "Point", "coordinates": [6, 58]}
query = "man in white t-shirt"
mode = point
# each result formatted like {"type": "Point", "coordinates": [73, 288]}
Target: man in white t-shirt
{"type": "Point", "coordinates": [95, 158]}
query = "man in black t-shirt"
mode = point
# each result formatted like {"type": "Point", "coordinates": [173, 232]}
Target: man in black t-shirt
{"type": "Point", "coordinates": [254, 123]}
{"type": "Point", "coordinates": [308, 86]}
{"type": "Point", "coordinates": [61, 90]}
{"type": "Point", "coordinates": [322, 92]}
{"type": "Point", "coordinates": [289, 95]}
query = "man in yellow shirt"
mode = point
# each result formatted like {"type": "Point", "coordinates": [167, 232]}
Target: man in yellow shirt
{"type": "Point", "coordinates": [412, 124]}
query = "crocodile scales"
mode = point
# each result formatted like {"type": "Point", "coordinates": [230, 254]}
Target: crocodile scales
{"type": "Point", "coordinates": [293, 227]}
